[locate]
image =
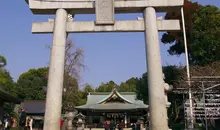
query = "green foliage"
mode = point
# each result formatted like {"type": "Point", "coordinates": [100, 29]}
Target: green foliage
{"type": "Point", "coordinates": [71, 99]}
{"type": "Point", "coordinates": [3, 61]}
{"type": "Point", "coordinates": [129, 86]}
{"type": "Point", "coordinates": [84, 92]}
{"type": "Point", "coordinates": [31, 84]}
{"type": "Point", "coordinates": [205, 41]}
{"type": "Point", "coordinates": [8, 85]}
{"type": "Point", "coordinates": [172, 73]}
{"type": "Point", "coordinates": [6, 82]}
{"type": "Point", "coordinates": [176, 38]}
{"type": "Point", "coordinates": [202, 30]}
{"type": "Point", "coordinates": [9, 109]}
{"type": "Point", "coordinates": [106, 87]}
{"type": "Point", "coordinates": [178, 127]}
{"type": "Point", "coordinates": [142, 88]}
{"type": "Point", "coordinates": [88, 88]}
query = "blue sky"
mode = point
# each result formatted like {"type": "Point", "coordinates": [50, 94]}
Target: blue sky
{"type": "Point", "coordinates": [108, 56]}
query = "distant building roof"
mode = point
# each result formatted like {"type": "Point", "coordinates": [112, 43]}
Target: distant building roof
{"type": "Point", "coordinates": [34, 106]}
{"type": "Point", "coordinates": [102, 101]}
{"type": "Point", "coordinates": [6, 97]}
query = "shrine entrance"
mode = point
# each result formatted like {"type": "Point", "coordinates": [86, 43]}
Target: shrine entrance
{"type": "Point", "coordinates": [105, 22]}
{"type": "Point", "coordinates": [119, 107]}
{"type": "Point", "coordinates": [114, 116]}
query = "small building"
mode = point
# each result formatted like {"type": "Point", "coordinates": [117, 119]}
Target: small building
{"type": "Point", "coordinates": [36, 110]}
{"type": "Point", "coordinates": [112, 106]}
{"type": "Point", "coordinates": [6, 97]}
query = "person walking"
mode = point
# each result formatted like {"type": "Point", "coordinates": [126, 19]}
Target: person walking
{"type": "Point", "coordinates": [61, 123]}
{"type": "Point", "coordinates": [8, 122]}
{"type": "Point", "coordinates": [1, 125]}
{"type": "Point", "coordinates": [121, 125]}
{"type": "Point", "coordinates": [112, 125]}
{"type": "Point", "coordinates": [30, 123]}
{"type": "Point", "coordinates": [22, 122]}
{"type": "Point", "coordinates": [106, 125]}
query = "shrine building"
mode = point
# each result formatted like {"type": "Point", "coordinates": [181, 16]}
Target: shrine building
{"type": "Point", "coordinates": [116, 106]}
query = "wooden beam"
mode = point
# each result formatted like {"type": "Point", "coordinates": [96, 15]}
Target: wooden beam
{"type": "Point", "coordinates": [88, 6]}
{"type": "Point", "coordinates": [119, 26]}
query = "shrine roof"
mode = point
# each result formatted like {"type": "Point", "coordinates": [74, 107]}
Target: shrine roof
{"type": "Point", "coordinates": [34, 106]}
{"type": "Point", "coordinates": [6, 97]}
{"type": "Point", "coordinates": [98, 101]}
{"type": "Point", "coordinates": [113, 106]}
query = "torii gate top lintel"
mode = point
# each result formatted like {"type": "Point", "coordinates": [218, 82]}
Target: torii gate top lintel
{"type": "Point", "coordinates": [105, 11]}
{"type": "Point", "coordinates": [88, 6]}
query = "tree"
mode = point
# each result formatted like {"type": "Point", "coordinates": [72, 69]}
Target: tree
{"type": "Point", "coordinates": [3, 61]}
{"type": "Point", "coordinates": [202, 30]}
{"type": "Point", "coordinates": [84, 93]}
{"type": "Point", "coordinates": [88, 88]}
{"type": "Point", "coordinates": [129, 86]}
{"type": "Point", "coordinates": [205, 36]}
{"type": "Point", "coordinates": [176, 38]}
{"type": "Point", "coordinates": [106, 87]}
{"type": "Point", "coordinates": [176, 75]}
{"type": "Point", "coordinates": [142, 89]}
{"type": "Point", "coordinates": [6, 82]}
{"type": "Point", "coordinates": [173, 73]}
{"type": "Point", "coordinates": [31, 85]}
{"type": "Point", "coordinates": [73, 64]}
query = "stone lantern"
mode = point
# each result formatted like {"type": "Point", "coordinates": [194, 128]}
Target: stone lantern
{"type": "Point", "coordinates": [167, 88]}
{"type": "Point", "coordinates": [80, 121]}
{"type": "Point", "coordinates": [70, 116]}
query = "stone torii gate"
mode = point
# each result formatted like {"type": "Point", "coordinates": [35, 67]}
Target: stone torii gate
{"type": "Point", "coordinates": [105, 10]}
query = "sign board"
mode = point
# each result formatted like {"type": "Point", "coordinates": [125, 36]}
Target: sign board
{"type": "Point", "coordinates": [105, 11]}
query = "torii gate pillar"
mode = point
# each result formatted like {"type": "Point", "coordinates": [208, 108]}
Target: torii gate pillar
{"type": "Point", "coordinates": [157, 103]}
{"type": "Point", "coordinates": [56, 71]}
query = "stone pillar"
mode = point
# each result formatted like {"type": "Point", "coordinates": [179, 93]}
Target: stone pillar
{"type": "Point", "coordinates": [1, 110]}
{"type": "Point", "coordinates": [157, 104]}
{"type": "Point", "coordinates": [167, 89]}
{"type": "Point", "coordinates": [56, 70]}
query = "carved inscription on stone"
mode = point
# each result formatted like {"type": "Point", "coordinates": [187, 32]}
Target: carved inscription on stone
{"type": "Point", "coordinates": [104, 11]}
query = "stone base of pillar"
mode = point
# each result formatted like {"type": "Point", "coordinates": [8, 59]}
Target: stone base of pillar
{"type": "Point", "coordinates": [167, 106]}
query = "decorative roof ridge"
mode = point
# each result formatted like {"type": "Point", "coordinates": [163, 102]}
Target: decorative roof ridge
{"type": "Point", "coordinates": [6, 95]}
{"type": "Point", "coordinates": [114, 91]}
{"type": "Point", "coordinates": [107, 93]}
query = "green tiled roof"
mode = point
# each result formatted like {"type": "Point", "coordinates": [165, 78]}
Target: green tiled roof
{"type": "Point", "coordinates": [113, 106]}
{"type": "Point", "coordinates": [93, 100]}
